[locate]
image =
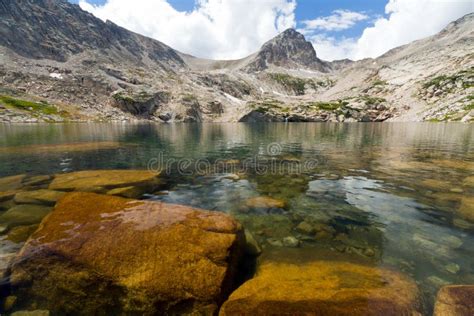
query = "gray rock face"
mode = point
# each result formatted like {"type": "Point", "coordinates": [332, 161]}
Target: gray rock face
{"type": "Point", "coordinates": [57, 29]}
{"type": "Point", "coordinates": [289, 49]}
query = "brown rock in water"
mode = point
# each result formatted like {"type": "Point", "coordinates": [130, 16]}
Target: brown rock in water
{"type": "Point", "coordinates": [264, 202]}
{"type": "Point", "coordinates": [42, 197]}
{"type": "Point", "coordinates": [466, 210]}
{"type": "Point", "coordinates": [99, 254]}
{"type": "Point", "coordinates": [11, 183]}
{"type": "Point", "coordinates": [101, 181]}
{"type": "Point", "coordinates": [455, 300]}
{"type": "Point", "coordinates": [324, 288]}
{"type": "Point", "coordinates": [26, 214]}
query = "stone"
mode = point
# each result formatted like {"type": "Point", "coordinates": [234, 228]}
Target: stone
{"type": "Point", "coordinates": [37, 180]}
{"type": "Point", "coordinates": [127, 192]}
{"type": "Point", "coordinates": [58, 148]}
{"type": "Point", "coordinates": [455, 300]}
{"type": "Point", "coordinates": [466, 210]}
{"type": "Point", "coordinates": [452, 268]}
{"type": "Point", "coordinates": [42, 197]}
{"type": "Point", "coordinates": [324, 288]}
{"type": "Point", "coordinates": [305, 228]}
{"type": "Point", "coordinates": [37, 312]}
{"type": "Point", "coordinates": [9, 302]}
{"type": "Point", "coordinates": [129, 256]}
{"type": "Point", "coordinates": [11, 183]}
{"type": "Point", "coordinates": [251, 245]}
{"type": "Point", "coordinates": [265, 202]}
{"type": "Point", "coordinates": [26, 214]}
{"type": "Point", "coordinates": [21, 233]}
{"type": "Point", "coordinates": [7, 195]}
{"type": "Point", "coordinates": [469, 182]}
{"type": "Point", "coordinates": [291, 242]}
{"type": "Point", "coordinates": [274, 242]}
{"type": "Point", "coordinates": [101, 181]}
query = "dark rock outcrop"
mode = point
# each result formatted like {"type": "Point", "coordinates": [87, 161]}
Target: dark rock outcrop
{"type": "Point", "coordinates": [57, 29]}
{"type": "Point", "coordinates": [290, 50]}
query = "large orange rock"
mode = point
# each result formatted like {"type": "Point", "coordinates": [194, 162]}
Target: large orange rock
{"type": "Point", "coordinates": [324, 288]}
{"type": "Point", "coordinates": [100, 254]}
{"type": "Point", "coordinates": [455, 300]}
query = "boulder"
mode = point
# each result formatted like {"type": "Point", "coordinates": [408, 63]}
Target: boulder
{"type": "Point", "coordinates": [455, 300]}
{"type": "Point", "coordinates": [264, 203]}
{"type": "Point", "coordinates": [27, 214]}
{"type": "Point", "coordinates": [42, 197]}
{"type": "Point", "coordinates": [101, 181]}
{"type": "Point", "coordinates": [101, 254]}
{"type": "Point", "coordinates": [324, 288]}
{"type": "Point", "coordinates": [11, 183]}
{"type": "Point", "coordinates": [466, 210]}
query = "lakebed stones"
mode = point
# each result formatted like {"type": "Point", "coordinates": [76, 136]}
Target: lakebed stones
{"type": "Point", "coordinates": [264, 204]}
{"type": "Point", "coordinates": [102, 181]}
{"type": "Point", "coordinates": [26, 214]}
{"type": "Point", "coordinates": [324, 288]}
{"type": "Point", "coordinates": [455, 300]}
{"type": "Point", "coordinates": [129, 256]}
{"type": "Point", "coordinates": [466, 210]}
{"type": "Point", "coordinates": [41, 197]}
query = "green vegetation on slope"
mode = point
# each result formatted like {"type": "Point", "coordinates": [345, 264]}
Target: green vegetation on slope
{"type": "Point", "coordinates": [297, 85]}
{"type": "Point", "coordinates": [466, 76]}
{"type": "Point", "coordinates": [41, 107]}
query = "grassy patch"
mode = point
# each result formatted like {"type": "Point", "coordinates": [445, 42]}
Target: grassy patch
{"type": "Point", "coordinates": [266, 106]}
{"type": "Point", "coordinates": [372, 100]}
{"type": "Point", "coordinates": [189, 98]}
{"type": "Point", "coordinates": [379, 83]}
{"type": "Point", "coordinates": [445, 79]}
{"type": "Point", "coordinates": [328, 106]}
{"type": "Point", "coordinates": [40, 107]}
{"type": "Point", "coordinates": [297, 85]}
{"type": "Point", "coordinates": [123, 97]}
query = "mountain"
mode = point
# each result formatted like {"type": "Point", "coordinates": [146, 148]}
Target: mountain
{"type": "Point", "coordinates": [60, 63]}
{"type": "Point", "coordinates": [288, 50]}
{"type": "Point", "coordinates": [57, 30]}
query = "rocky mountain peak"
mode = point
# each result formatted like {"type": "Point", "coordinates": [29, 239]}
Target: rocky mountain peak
{"type": "Point", "coordinates": [289, 49]}
{"type": "Point", "coordinates": [57, 29]}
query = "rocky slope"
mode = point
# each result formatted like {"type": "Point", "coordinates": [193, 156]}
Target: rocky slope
{"type": "Point", "coordinates": [59, 63]}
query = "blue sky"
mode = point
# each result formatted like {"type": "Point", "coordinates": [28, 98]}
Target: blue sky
{"type": "Point", "coordinates": [230, 29]}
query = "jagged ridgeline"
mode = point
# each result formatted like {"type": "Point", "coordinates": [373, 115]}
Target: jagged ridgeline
{"type": "Point", "coordinates": [74, 66]}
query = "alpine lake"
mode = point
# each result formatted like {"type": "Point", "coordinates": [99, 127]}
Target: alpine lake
{"type": "Point", "coordinates": [391, 197]}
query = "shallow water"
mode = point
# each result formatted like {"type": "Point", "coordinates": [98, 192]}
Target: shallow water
{"type": "Point", "coordinates": [380, 194]}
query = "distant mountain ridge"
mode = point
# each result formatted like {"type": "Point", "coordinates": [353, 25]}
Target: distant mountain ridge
{"type": "Point", "coordinates": [53, 51]}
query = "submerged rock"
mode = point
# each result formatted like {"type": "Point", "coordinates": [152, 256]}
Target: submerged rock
{"type": "Point", "coordinates": [45, 197]}
{"type": "Point", "coordinates": [27, 214]}
{"type": "Point", "coordinates": [466, 210]}
{"type": "Point", "coordinates": [11, 183]}
{"type": "Point", "coordinates": [101, 181]}
{"type": "Point", "coordinates": [324, 288]}
{"type": "Point", "coordinates": [251, 245]}
{"type": "Point", "coordinates": [265, 203]}
{"type": "Point", "coordinates": [129, 257]}
{"type": "Point", "coordinates": [455, 300]}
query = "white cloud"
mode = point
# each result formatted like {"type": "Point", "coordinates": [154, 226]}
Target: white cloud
{"type": "Point", "coordinates": [330, 48]}
{"type": "Point", "coordinates": [406, 21]}
{"type": "Point", "coordinates": [219, 29]}
{"type": "Point", "coordinates": [338, 21]}
{"type": "Point", "coordinates": [409, 20]}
